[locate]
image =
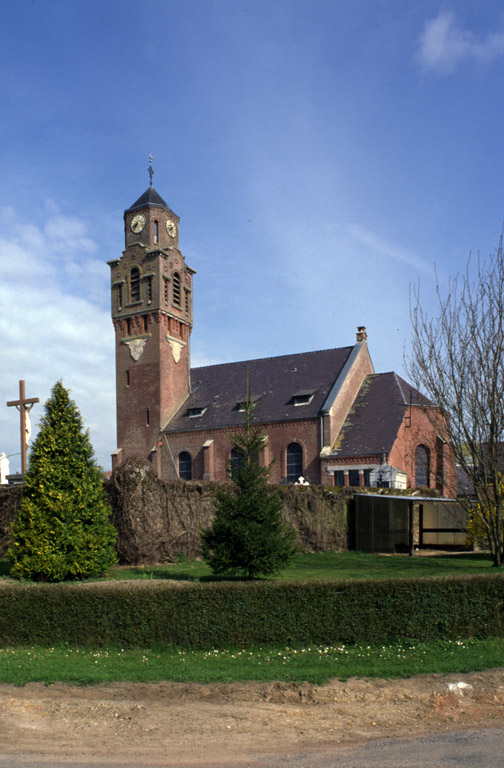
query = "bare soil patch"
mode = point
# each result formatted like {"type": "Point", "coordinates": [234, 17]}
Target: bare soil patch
{"type": "Point", "coordinates": [190, 724]}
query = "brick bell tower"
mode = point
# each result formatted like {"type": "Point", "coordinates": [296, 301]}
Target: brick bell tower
{"type": "Point", "coordinates": [152, 316]}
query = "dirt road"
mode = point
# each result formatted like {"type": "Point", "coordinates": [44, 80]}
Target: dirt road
{"type": "Point", "coordinates": [217, 724]}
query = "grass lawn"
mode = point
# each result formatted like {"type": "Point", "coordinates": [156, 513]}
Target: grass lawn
{"type": "Point", "coordinates": [316, 664]}
{"type": "Point", "coordinates": [330, 565]}
{"type": "Point", "coordinates": [322, 565]}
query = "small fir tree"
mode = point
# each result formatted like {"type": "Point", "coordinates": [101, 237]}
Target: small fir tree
{"type": "Point", "coordinates": [63, 529]}
{"type": "Point", "coordinates": [248, 537]}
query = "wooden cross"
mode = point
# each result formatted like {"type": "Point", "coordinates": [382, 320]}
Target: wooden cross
{"type": "Point", "coordinates": [24, 406]}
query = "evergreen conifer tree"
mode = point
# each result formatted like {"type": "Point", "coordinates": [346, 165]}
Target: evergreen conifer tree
{"type": "Point", "coordinates": [63, 529]}
{"type": "Point", "coordinates": [248, 536]}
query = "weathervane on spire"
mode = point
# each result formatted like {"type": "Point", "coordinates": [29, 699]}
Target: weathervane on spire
{"type": "Point", "coordinates": [150, 169]}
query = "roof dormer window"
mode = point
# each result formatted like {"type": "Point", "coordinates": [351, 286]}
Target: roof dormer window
{"type": "Point", "coordinates": [197, 411]}
{"type": "Point", "coordinates": [241, 403]}
{"type": "Point", "coordinates": [303, 397]}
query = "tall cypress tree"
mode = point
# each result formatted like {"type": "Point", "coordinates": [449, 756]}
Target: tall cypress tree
{"type": "Point", "coordinates": [248, 536]}
{"type": "Point", "coordinates": [63, 529]}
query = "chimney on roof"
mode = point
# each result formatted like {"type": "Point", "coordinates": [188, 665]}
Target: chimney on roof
{"type": "Point", "coordinates": [361, 333]}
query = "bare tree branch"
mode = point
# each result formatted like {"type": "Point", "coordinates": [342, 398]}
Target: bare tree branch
{"type": "Point", "coordinates": [457, 359]}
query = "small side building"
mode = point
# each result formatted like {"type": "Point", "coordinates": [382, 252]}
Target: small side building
{"type": "Point", "coordinates": [389, 440]}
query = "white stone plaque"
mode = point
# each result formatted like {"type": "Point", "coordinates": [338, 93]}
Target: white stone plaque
{"type": "Point", "coordinates": [136, 348]}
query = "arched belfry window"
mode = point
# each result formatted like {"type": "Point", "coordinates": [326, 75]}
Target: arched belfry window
{"type": "Point", "coordinates": [185, 465]}
{"type": "Point", "coordinates": [294, 462]}
{"type": "Point", "coordinates": [156, 231]}
{"type": "Point", "coordinates": [176, 288]}
{"type": "Point", "coordinates": [135, 284]}
{"type": "Point", "coordinates": [422, 466]}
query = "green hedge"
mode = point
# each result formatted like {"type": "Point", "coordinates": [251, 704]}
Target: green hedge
{"type": "Point", "coordinates": [244, 614]}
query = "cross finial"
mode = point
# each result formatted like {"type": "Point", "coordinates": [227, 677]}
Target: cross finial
{"type": "Point", "coordinates": [150, 169]}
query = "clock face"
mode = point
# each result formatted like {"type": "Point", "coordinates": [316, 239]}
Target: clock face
{"type": "Point", "coordinates": [137, 223]}
{"type": "Point", "coordinates": [171, 228]}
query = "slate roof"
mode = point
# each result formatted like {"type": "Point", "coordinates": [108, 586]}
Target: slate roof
{"type": "Point", "coordinates": [376, 415]}
{"type": "Point", "coordinates": [149, 197]}
{"type": "Point", "coordinates": [273, 383]}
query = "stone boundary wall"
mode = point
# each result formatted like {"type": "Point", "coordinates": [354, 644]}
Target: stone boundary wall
{"type": "Point", "coordinates": [160, 521]}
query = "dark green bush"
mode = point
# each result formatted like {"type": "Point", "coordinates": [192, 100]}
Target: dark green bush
{"type": "Point", "coordinates": [244, 614]}
{"type": "Point", "coordinates": [62, 530]}
{"type": "Point", "coordinates": [248, 536]}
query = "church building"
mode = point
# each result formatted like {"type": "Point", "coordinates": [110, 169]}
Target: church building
{"type": "Point", "coordinates": [326, 415]}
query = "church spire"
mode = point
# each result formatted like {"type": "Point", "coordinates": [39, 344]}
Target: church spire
{"type": "Point", "coordinates": [150, 169]}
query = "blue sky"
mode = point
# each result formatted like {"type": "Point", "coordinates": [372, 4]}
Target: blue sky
{"type": "Point", "coordinates": [322, 155]}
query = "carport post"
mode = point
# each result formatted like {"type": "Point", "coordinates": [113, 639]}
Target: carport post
{"type": "Point", "coordinates": [410, 523]}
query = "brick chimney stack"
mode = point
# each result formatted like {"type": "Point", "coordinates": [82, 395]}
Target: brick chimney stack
{"type": "Point", "coordinates": [361, 333]}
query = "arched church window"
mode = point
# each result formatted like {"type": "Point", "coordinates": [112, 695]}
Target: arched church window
{"type": "Point", "coordinates": [235, 460]}
{"type": "Point", "coordinates": [135, 284]}
{"type": "Point", "coordinates": [176, 288]}
{"type": "Point", "coordinates": [156, 231]}
{"type": "Point", "coordinates": [422, 466]}
{"type": "Point", "coordinates": [185, 465]}
{"type": "Point", "coordinates": [294, 462]}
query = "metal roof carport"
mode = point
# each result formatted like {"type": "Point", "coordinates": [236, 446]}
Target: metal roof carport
{"type": "Point", "coordinates": [386, 523]}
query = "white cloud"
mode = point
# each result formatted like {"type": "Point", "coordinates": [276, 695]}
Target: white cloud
{"type": "Point", "coordinates": [380, 247]}
{"type": "Point", "coordinates": [444, 43]}
{"type": "Point", "coordinates": [55, 324]}
{"type": "Point", "coordinates": [68, 235]}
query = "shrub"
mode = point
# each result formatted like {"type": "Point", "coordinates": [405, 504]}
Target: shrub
{"type": "Point", "coordinates": [248, 536]}
{"type": "Point", "coordinates": [243, 614]}
{"type": "Point", "coordinates": [62, 530]}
